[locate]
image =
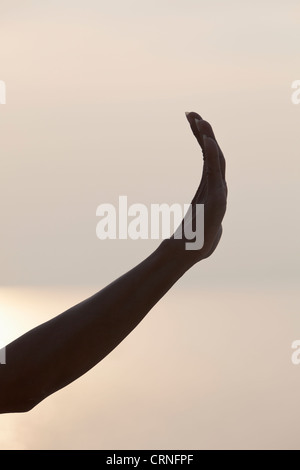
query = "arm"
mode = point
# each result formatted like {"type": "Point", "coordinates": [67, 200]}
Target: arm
{"type": "Point", "coordinates": [59, 351]}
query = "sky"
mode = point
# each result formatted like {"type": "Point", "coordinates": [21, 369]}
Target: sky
{"type": "Point", "coordinates": [96, 96]}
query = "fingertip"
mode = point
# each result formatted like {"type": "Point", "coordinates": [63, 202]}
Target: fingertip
{"type": "Point", "coordinates": [187, 113]}
{"type": "Point", "coordinates": [191, 116]}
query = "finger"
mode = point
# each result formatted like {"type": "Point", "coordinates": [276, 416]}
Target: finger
{"type": "Point", "coordinates": [200, 128]}
{"type": "Point", "coordinates": [201, 190]}
{"type": "Point", "coordinates": [213, 166]}
{"type": "Point", "coordinates": [205, 128]}
{"type": "Point", "coordinates": [222, 163]}
{"type": "Point", "coordinates": [193, 118]}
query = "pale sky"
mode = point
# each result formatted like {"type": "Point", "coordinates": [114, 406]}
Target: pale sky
{"type": "Point", "coordinates": [96, 96]}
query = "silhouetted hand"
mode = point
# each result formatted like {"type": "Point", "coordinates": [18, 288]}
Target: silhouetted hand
{"type": "Point", "coordinates": [212, 192]}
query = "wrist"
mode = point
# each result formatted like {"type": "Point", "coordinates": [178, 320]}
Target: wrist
{"type": "Point", "coordinates": [173, 253]}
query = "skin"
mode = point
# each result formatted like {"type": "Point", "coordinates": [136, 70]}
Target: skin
{"type": "Point", "coordinates": [56, 353]}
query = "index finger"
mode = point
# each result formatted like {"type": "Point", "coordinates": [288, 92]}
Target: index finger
{"type": "Point", "coordinates": [213, 166]}
{"type": "Point", "coordinates": [204, 128]}
{"type": "Point", "coordinates": [200, 127]}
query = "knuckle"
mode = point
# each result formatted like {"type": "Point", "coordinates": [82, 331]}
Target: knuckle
{"type": "Point", "coordinates": [205, 128]}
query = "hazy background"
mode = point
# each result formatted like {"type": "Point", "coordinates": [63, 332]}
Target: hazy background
{"type": "Point", "coordinates": [96, 95]}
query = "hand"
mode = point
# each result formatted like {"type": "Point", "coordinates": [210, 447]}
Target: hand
{"type": "Point", "coordinates": [212, 192]}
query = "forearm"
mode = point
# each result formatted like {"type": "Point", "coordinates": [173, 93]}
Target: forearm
{"type": "Point", "coordinates": [59, 351]}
